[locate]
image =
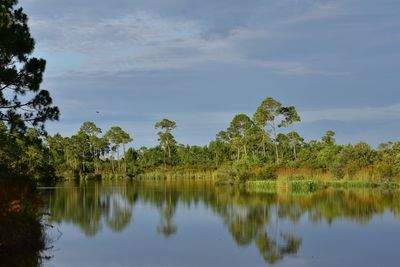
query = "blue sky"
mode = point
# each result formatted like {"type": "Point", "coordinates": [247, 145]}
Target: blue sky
{"type": "Point", "coordinates": [201, 62]}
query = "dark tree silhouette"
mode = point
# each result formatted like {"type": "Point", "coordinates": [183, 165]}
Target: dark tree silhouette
{"type": "Point", "coordinates": [22, 101]}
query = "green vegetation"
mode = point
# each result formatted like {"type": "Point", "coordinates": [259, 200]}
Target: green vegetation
{"type": "Point", "coordinates": [263, 146]}
{"type": "Point", "coordinates": [23, 103]}
{"type": "Point", "coordinates": [249, 150]}
{"type": "Point", "coordinates": [307, 186]}
{"type": "Point", "coordinates": [246, 151]}
{"type": "Point", "coordinates": [24, 108]}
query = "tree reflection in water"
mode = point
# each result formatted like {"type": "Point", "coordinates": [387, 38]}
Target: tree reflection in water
{"type": "Point", "coordinates": [250, 218]}
{"type": "Point", "coordinates": [89, 205]}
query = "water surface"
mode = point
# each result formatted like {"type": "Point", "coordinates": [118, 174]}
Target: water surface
{"type": "Point", "coordinates": [193, 223]}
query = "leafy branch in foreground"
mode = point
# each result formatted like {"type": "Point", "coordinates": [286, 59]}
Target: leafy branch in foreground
{"type": "Point", "coordinates": [22, 100]}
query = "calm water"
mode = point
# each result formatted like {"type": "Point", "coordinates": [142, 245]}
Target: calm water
{"type": "Point", "coordinates": [196, 224]}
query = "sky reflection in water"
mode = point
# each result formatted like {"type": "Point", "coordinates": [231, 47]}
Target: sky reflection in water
{"type": "Point", "coordinates": [196, 224]}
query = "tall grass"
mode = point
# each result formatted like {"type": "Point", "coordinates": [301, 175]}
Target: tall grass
{"type": "Point", "coordinates": [176, 174]}
{"type": "Point", "coordinates": [304, 186]}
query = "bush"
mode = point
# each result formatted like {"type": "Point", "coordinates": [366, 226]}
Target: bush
{"type": "Point", "coordinates": [241, 170]}
{"type": "Point", "coordinates": [384, 170]}
{"type": "Point", "coordinates": [268, 172]}
{"type": "Point", "coordinates": [224, 176]}
{"type": "Point", "coordinates": [243, 176]}
{"type": "Point", "coordinates": [303, 186]}
{"type": "Point", "coordinates": [337, 169]}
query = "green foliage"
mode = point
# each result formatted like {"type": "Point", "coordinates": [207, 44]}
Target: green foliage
{"type": "Point", "coordinates": [272, 115]}
{"type": "Point", "coordinates": [23, 155]}
{"type": "Point", "coordinates": [328, 138]}
{"type": "Point", "coordinates": [242, 153]}
{"type": "Point", "coordinates": [167, 140]}
{"type": "Point", "coordinates": [22, 100]}
{"type": "Point", "coordinates": [24, 106]}
{"type": "Point", "coordinates": [246, 145]}
{"type": "Point", "coordinates": [267, 172]}
{"type": "Point", "coordinates": [384, 170]}
{"type": "Point", "coordinates": [303, 186]}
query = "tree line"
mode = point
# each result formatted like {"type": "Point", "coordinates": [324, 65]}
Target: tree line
{"type": "Point", "coordinates": [263, 142]}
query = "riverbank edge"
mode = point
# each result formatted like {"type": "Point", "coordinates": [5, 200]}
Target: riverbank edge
{"type": "Point", "coordinates": [296, 186]}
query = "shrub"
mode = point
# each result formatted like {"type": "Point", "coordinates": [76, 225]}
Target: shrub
{"type": "Point", "coordinates": [384, 170]}
{"type": "Point", "coordinates": [303, 186]}
{"type": "Point", "coordinates": [224, 176]}
{"type": "Point", "coordinates": [268, 172]}
{"type": "Point", "coordinates": [243, 176]}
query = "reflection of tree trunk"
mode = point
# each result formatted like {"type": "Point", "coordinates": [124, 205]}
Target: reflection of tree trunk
{"type": "Point", "coordinates": [277, 221]}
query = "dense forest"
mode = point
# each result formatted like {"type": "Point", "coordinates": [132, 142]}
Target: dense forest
{"type": "Point", "coordinates": [259, 147]}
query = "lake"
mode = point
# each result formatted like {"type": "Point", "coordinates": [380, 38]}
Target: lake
{"type": "Point", "coordinates": [193, 223]}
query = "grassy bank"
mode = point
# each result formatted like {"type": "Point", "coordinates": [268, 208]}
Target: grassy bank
{"type": "Point", "coordinates": [267, 178]}
{"type": "Point", "coordinates": [300, 186]}
{"type": "Point", "coordinates": [152, 174]}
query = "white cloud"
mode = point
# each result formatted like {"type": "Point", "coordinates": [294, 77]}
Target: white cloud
{"type": "Point", "coordinates": [145, 41]}
{"type": "Point", "coordinates": [85, 34]}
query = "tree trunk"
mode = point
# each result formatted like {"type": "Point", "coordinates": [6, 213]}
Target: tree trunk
{"type": "Point", "coordinates": [118, 161]}
{"type": "Point", "coordinates": [263, 146]}
{"type": "Point", "coordinates": [83, 161]}
{"type": "Point", "coordinates": [94, 159]}
{"type": "Point", "coordinates": [276, 152]}
{"type": "Point", "coordinates": [294, 151]}
{"type": "Point", "coordinates": [96, 166]}
{"type": "Point", "coordinates": [275, 144]}
{"type": "Point", "coordinates": [169, 151]}
{"type": "Point", "coordinates": [123, 148]}
{"type": "Point", "coordinates": [112, 162]}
